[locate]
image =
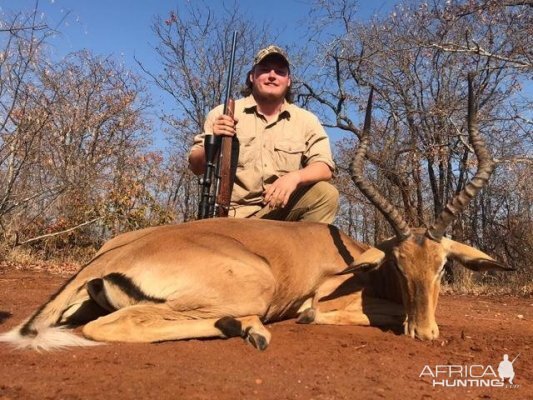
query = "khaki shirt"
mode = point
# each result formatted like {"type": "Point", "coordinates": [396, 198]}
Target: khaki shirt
{"type": "Point", "coordinates": [269, 150]}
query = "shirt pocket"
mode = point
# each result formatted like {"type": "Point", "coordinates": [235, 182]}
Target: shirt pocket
{"type": "Point", "coordinates": [246, 151]}
{"type": "Point", "coordinates": [288, 156]}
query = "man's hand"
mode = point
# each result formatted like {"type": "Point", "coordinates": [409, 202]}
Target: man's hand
{"type": "Point", "coordinates": [224, 125]}
{"type": "Point", "coordinates": [277, 195]}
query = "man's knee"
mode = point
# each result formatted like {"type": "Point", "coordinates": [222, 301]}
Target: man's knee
{"type": "Point", "coordinates": [316, 203]}
{"type": "Point", "coordinates": [322, 203]}
{"type": "Point", "coordinates": [327, 193]}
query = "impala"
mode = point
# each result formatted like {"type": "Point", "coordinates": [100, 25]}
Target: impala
{"type": "Point", "coordinates": [226, 277]}
{"type": "Point", "coordinates": [412, 262]}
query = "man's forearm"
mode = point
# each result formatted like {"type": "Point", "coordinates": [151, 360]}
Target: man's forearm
{"type": "Point", "coordinates": [313, 173]}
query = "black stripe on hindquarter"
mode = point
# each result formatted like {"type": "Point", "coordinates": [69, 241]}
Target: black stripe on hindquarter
{"type": "Point", "coordinates": [130, 288]}
{"type": "Point", "coordinates": [339, 244]}
{"type": "Point", "coordinates": [28, 330]}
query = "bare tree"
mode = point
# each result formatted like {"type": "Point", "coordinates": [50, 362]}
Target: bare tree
{"type": "Point", "coordinates": [22, 38]}
{"type": "Point", "coordinates": [82, 156]}
{"type": "Point", "coordinates": [417, 59]}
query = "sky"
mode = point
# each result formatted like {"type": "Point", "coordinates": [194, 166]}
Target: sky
{"type": "Point", "coordinates": [122, 28]}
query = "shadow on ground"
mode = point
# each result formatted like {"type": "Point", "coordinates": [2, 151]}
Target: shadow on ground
{"type": "Point", "coordinates": [4, 315]}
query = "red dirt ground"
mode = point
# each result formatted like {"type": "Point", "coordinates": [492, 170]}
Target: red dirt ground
{"type": "Point", "coordinates": [302, 362]}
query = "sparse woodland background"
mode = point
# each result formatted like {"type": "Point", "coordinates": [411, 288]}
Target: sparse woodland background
{"type": "Point", "coordinates": [77, 163]}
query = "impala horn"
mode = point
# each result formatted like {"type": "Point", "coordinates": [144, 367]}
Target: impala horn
{"type": "Point", "coordinates": [390, 212]}
{"type": "Point", "coordinates": [485, 167]}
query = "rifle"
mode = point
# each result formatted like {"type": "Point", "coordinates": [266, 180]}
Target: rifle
{"type": "Point", "coordinates": [218, 156]}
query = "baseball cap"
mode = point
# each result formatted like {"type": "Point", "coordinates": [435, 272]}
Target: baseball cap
{"type": "Point", "coordinates": [268, 51]}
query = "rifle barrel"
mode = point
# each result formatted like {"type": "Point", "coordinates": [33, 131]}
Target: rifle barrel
{"type": "Point", "coordinates": [229, 81]}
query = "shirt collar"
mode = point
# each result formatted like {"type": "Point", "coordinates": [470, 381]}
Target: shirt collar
{"type": "Point", "coordinates": [251, 105]}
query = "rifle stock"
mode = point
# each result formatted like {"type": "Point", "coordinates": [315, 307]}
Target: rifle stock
{"type": "Point", "coordinates": [226, 173]}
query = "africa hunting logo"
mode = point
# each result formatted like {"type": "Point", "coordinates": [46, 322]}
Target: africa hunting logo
{"type": "Point", "coordinates": [472, 375]}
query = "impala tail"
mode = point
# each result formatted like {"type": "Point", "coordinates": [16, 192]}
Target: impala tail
{"type": "Point", "coordinates": [44, 330]}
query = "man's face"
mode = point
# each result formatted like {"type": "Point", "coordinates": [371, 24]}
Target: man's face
{"type": "Point", "coordinates": [270, 79]}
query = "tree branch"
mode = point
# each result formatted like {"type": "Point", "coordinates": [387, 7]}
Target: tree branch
{"type": "Point", "coordinates": [454, 48]}
{"type": "Point", "coordinates": [35, 239]}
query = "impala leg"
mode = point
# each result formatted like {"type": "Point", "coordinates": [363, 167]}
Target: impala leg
{"type": "Point", "coordinates": [249, 328]}
{"type": "Point", "coordinates": [337, 293]}
{"type": "Point", "coordinates": [345, 310]}
{"type": "Point", "coordinates": [339, 317]}
{"type": "Point", "coordinates": [350, 317]}
{"type": "Point", "coordinates": [144, 323]}
{"type": "Point", "coordinates": [353, 309]}
{"type": "Point", "coordinates": [147, 323]}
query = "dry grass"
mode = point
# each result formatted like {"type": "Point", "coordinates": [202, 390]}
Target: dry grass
{"type": "Point", "coordinates": [24, 259]}
{"type": "Point", "coordinates": [490, 283]}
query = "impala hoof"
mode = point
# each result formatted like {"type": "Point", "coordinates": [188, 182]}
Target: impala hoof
{"type": "Point", "coordinates": [258, 341]}
{"type": "Point", "coordinates": [306, 317]}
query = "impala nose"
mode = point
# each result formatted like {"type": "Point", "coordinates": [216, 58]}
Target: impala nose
{"type": "Point", "coordinates": [426, 333]}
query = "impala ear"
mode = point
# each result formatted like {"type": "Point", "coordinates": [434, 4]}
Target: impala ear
{"type": "Point", "coordinates": [472, 258]}
{"type": "Point", "coordinates": [369, 260]}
